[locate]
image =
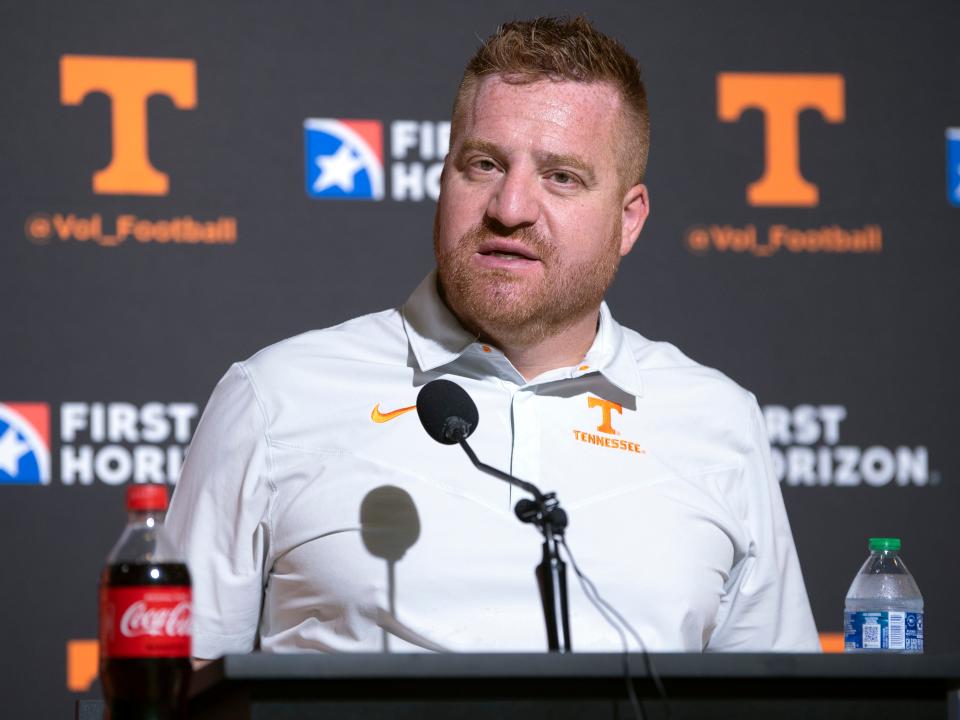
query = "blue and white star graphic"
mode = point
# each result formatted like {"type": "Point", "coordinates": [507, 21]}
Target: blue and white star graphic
{"type": "Point", "coordinates": [338, 170]}
{"type": "Point", "coordinates": [12, 448]}
{"type": "Point", "coordinates": [340, 163]}
{"type": "Point", "coordinates": [24, 457]}
{"type": "Point", "coordinates": [953, 166]}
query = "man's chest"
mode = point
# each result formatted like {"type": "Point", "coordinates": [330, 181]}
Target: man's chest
{"type": "Point", "coordinates": [373, 519]}
{"type": "Point", "coordinates": [555, 435]}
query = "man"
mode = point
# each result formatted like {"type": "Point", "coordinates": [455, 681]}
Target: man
{"type": "Point", "coordinates": [316, 514]}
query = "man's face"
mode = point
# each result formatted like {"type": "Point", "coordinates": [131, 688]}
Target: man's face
{"type": "Point", "coordinates": [533, 217]}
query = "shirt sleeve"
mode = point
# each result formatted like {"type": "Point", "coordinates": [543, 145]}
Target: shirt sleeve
{"type": "Point", "coordinates": [219, 517]}
{"type": "Point", "coordinates": [765, 605]}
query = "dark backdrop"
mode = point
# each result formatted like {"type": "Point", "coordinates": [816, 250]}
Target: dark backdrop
{"type": "Point", "coordinates": [833, 324]}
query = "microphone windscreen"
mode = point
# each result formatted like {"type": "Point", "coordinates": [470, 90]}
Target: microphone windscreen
{"type": "Point", "coordinates": [442, 404]}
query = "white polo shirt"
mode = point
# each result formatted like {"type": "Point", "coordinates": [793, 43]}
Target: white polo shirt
{"type": "Point", "coordinates": [315, 517]}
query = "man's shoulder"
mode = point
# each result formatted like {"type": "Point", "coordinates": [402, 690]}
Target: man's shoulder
{"type": "Point", "coordinates": [298, 382]}
{"type": "Point", "coordinates": [664, 368]}
{"type": "Point", "coordinates": [705, 407]}
{"type": "Point", "coordinates": [377, 338]}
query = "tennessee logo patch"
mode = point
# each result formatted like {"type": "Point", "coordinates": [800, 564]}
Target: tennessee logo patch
{"type": "Point", "coordinates": [607, 407]}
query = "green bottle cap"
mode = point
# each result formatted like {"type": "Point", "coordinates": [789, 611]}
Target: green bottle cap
{"type": "Point", "coordinates": [881, 544]}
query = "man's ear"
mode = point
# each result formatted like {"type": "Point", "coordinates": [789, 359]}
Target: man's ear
{"type": "Point", "coordinates": [636, 208]}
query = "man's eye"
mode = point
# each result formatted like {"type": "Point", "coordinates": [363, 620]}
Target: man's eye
{"type": "Point", "coordinates": [562, 178]}
{"type": "Point", "coordinates": [484, 165]}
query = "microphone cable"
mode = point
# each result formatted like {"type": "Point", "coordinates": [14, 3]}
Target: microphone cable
{"type": "Point", "coordinates": [619, 623]}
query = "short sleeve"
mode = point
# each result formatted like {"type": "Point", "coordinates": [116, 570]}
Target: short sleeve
{"type": "Point", "coordinates": [219, 517]}
{"type": "Point", "coordinates": [765, 605]}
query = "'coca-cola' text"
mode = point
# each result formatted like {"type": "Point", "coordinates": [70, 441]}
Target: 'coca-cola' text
{"type": "Point", "coordinates": [145, 621]}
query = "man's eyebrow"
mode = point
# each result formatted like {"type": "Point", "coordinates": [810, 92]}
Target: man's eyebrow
{"type": "Point", "coordinates": [477, 145]}
{"type": "Point", "coordinates": [571, 161]}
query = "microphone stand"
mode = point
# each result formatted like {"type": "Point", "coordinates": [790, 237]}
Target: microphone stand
{"type": "Point", "coordinates": [545, 512]}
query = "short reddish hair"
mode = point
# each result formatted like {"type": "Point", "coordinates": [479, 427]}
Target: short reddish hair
{"type": "Point", "coordinates": [564, 49]}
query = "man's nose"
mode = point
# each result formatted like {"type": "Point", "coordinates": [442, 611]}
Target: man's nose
{"type": "Point", "coordinates": [515, 202]}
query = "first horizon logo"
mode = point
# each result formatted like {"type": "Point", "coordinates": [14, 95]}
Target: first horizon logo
{"type": "Point", "coordinates": [807, 451]}
{"type": "Point", "coordinates": [953, 166]}
{"type": "Point", "coordinates": [345, 159]}
{"type": "Point", "coordinates": [113, 443]}
{"type": "Point", "coordinates": [24, 444]}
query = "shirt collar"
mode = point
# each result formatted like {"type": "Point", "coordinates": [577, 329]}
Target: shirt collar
{"type": "Point", "coordinates": [612, 356]}
{"type": "Point", "coordinates": [437, 338]}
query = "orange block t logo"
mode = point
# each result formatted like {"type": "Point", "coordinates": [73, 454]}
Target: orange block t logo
{"type": "Point", "coordinates": [781, 97]}
{"type": "Point", "coordinates": [606, 406]}
{"type": "Point", "coordinates": [83, 657]}
{"type": "Point", "coordinates": [128, 82]}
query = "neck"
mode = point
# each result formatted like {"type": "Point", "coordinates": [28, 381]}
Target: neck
{"type": "Point", "coordinates": [562, 349]}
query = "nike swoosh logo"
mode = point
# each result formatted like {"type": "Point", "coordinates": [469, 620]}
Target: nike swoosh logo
{"type": "Point", "coordinates": [379, 417]}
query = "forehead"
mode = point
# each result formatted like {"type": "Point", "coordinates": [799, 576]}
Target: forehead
{"type": "Point", "coordinates": [584, 116]}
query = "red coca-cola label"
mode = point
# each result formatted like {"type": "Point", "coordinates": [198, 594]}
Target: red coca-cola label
{"type": "Point", "coordinates": [145, 621]}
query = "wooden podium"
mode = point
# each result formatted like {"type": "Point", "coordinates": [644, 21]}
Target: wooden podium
{"type": "Point", "coordinates": [568, 687]}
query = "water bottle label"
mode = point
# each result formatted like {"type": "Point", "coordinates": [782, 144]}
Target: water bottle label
{"type": "Point", "coordinates": [145, 621]}
{"type": "Point", "coordinates": [884, 630]}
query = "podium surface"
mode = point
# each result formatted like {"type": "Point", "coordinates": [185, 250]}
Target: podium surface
{"type": "Point", "coordinates": [507, 686]}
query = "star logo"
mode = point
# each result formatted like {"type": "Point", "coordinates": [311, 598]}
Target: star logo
{"type": "Point", "coordinates": [24, 444]}
{"type": "Point", "coordinates": [344, 159]}
{"type": "Point", "coordinates": [338, 170]}
{"type": "Point", "coordinates": [953, 166]}
{"type": "Point", "coordinates": [12, 449]}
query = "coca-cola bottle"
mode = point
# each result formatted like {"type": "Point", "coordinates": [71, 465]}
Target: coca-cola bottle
{"type": "Point", "coordinates": [145, 616]}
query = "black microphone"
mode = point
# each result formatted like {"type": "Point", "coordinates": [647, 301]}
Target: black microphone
{"type": "Point", "coordinates": [449, 416]}
{"type": "Point", "coordinates": [447, 413]}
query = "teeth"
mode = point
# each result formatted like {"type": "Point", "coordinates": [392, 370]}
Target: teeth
{"type": "Point", "coordinates": [506, 256]}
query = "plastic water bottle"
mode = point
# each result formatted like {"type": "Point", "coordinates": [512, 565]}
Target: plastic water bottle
{"type": "Point", "coordinates": [884, 608]}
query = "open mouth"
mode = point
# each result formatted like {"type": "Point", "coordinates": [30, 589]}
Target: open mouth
{"type": "Point", "coordinates": [508, 251]}
{"type": "Point", "coordinates": [507, 256]}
